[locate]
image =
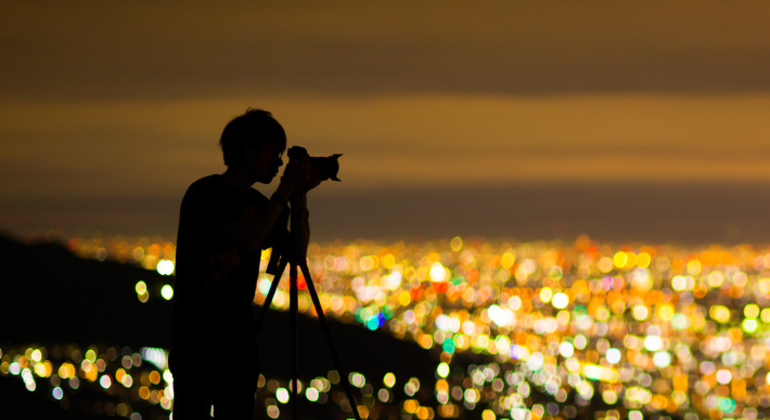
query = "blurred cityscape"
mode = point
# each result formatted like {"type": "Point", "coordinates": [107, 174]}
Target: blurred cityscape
{"type": "Point", "coordinates": [526, 331]}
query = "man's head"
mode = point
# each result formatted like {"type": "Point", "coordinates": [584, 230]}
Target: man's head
{"type": "Point", "coordinates": [254, 141]}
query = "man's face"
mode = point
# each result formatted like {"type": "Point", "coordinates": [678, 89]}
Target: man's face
{"type": "Point", "coordinates": [263, 161]}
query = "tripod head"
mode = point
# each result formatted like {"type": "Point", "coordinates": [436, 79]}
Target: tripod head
{"type": "Point", "coordinates": [282, 254]}
{"type": "Point", "coordinates": [284, 250]}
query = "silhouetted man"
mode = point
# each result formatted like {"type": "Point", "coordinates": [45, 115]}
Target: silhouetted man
{"type": "Point", "coordinates": [223, 226]}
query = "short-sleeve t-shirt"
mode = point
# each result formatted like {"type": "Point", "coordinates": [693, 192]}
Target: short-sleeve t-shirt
{"type": "Point", "coordinates": [215, 278]}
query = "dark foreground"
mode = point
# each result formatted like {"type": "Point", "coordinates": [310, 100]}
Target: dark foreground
{"type": "Point", "coordinates": [51, 299]}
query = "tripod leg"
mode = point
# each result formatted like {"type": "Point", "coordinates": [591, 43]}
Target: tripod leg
{"type": "Point", "coordinates": [328, 334]}
{"type": "Point", "coordinates": [269, 298]}
{"type": "Point", "coordinates": [293, 329]}
{"type": "Point", "coordinates": [258, 324]}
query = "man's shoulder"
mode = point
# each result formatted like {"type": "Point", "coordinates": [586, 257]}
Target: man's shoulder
{"type": "Point", "coordinates": [210, 181]}
{"type": "Point", "coordinates": [203, 188]}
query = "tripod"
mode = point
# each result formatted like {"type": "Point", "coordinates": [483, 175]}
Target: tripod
{"type": "Point", "coordinates": [277, 265]}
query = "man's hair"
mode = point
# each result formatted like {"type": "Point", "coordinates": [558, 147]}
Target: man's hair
{"type": "Point", "coordinates": [253, 128]}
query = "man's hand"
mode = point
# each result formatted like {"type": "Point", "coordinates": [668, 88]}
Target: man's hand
{"type": "Point", "coordinates": [312, 179]}
{"type": "Point", "coordinates": [302, 175]}
{"type": "Point", "coordinates": [296, 173]}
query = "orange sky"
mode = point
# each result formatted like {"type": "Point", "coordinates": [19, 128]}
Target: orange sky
{"type": "Point", "coordinates": [105, 100]}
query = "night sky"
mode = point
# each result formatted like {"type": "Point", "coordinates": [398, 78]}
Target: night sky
{"type": "Point", "coordinates": [645, 120]}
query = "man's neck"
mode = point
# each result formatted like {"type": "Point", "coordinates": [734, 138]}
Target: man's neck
{"type": "Point", "coordinates": [237, 179]}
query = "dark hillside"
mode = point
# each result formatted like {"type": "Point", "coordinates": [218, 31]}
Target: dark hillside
{"type": "Point", "coordinates": [49, 296]}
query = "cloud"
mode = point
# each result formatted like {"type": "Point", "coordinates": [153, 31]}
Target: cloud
{"type": "Point", "coordinates": [191, 49]}
{"type": "Point", "coordinates": [159, 147]}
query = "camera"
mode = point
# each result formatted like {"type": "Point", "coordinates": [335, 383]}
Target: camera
{"type": "Point", "coordinates": [326, 167]}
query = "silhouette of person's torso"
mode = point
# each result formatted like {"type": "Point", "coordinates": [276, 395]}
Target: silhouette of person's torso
{"type": "Point", "coordinates": [215, 278]}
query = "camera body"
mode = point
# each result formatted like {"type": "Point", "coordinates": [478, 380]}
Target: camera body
{"type": "Point", "coordinates": [326, 167]}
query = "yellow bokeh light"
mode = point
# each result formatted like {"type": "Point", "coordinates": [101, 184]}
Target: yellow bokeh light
{"type": "Point", "coordinates": [679, 283]}
{"type": "Point", "coordinates": [388, 261]}
{"type": "Point", "coordinates": [764, 286]}
{"type": "Point", "coordinates": [437, 272]}
{"type": "Point", "coordinates": [141, 287]}
{"type": "Point", "coordinates": [282, 395]}
{"type": "Point", "coordinates": [507, 260]}
{"type": "Point", "coordinates": [456, 244]}
{"type": "Point", "coordinates": [127, 381]}
{"type": "Point", "coordinates": [560, 300]}
{"type": "Point", "coordinates": [389, 380]}
{"type": "Point", "coordinates": [167, 292]}
{"type": "Point", "coordinates": [610, 397]}
{"type": "Point", "coordinates": [546, 294]}
{"type": "Point", "coordinates": [425, 341]}
{"type": "Point", "coordinates": [750, 325]}
{"type": "Point", "coordinates": [643, 260]}
{"type": "Point", "coordinates": [720, 313]}
{"type": "Point", "coordinates": [165, 267]}
{"type": "Point", "coordinates": [694, 267]}
{"type": "Point", "coordinates": [311, 394]}
{"type": "Point", "coordinates": [366, 263]}
{"type": "Point", "coordinates": [605, 265]}
{"type": "Point", "coordinates": [765, 315]}
{"type": "Point", "coordinates": [715, 279]}
{"type": "Point", "coordinates": [443, 370]}
{"type": "Point", "coordinates": [67, 370]}
{"type": "Point", "coordinates": [666, 312]}
{"type": "Point", "coordinates": [404, 298]}
{"type": "Point", "coordinates": [488, 415]}
{"type": "Point", "coordinates": [640, 312]}
{"type": "Point", "coordinates": [751, 310]}
{"type": "Point", "coordinates": [630, 260]}
{"type": "Point", "coordinates": [620, 259]}
{"type": "Point", "coordinates": [425, 413]}
{"type": "Point", "coordinates": [44, 369]}
{"type": "Point", "coordinates": [411, 406]}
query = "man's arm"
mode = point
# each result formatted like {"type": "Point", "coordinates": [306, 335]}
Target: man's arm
{"type": "Point", "coordinates": [249, 235]}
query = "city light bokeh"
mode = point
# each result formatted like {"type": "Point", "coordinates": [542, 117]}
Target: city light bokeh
{"type": "Point", "coordinates": [526, 331]}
